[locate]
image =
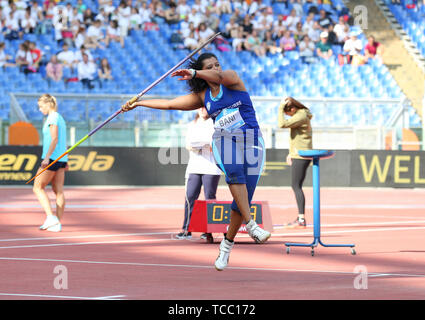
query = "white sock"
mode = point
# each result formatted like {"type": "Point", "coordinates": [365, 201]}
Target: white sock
{"type": "Point", "coordinates": [300, 216]}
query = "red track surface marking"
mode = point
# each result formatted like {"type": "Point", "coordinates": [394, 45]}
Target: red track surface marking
{"type": "Point", "coordinates": [117, 243]}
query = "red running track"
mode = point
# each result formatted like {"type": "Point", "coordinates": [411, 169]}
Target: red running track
{"type": "Point", "coordinates": [117, 243]}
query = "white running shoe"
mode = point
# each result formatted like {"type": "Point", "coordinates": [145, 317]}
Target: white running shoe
{"type": "Point", "coordinates": [255, 232]}
{"type": "Point", "coordinates": [55, 228]}
{"type": "Point", "coordinates": [223, 256]}
{"type": "Point", "coordinates": [50, 221]}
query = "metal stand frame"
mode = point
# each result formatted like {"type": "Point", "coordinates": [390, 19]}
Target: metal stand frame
{"type": "Point", "coordinates": [316, 155]}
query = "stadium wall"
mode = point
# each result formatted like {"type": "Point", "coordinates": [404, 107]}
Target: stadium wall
{"type": "Point", "coordinates": [166, 166]}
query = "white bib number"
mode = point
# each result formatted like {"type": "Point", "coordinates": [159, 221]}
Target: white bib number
{"type": "Point", "coordinates": [229, 119]}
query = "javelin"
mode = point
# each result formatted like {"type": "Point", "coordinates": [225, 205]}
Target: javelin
{"type": "Point", "coordinates": [132, 100]}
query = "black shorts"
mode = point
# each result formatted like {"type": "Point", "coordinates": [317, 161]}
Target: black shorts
{"type": "Point", "coordinates": [58, 165]}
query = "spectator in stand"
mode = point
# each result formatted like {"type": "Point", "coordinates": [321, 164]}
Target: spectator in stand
{"type": "Point", "coordinates": [231, 28]}
{"type": "Point", "coordinates": [352, 47]}
{"type": "Point", "coordinates": [292, 20]}
{"type": "Point", "coordinates": [135, 19]}
{"type": "Point", "coordinates": [107, 5]}
{"type": "Point", "coordinates": [79, 55]}
{"type": "Point", "coordinates": [54, 70]}
{"type": "Point", "coordinates": [183, 9]}
{"type": "Point", "coordinates": [103, 17]}
{"type": "Point", "coordinates": [36, 54]}
{"type": "Point", "coordinates": [341, 29]}
{"type": "Point", "coordinates": [247, 25]}
{"type": "Point", "coordinates": [145, 13]}
{"type": "Point", "coordinates": [88, 17]}
{"type": "Point", "coordinates": [38, 16]}
{"type": "Point", "coordinates": [76, 15]}
{"type": "Point", "coordinates": [59, 26]}
{"type": "Point", "coordinates": [23, 58]}
{"type": "Point", "coordinates": [324, 20]}
{"type": "Point", "coordinates": [308, 23]}
{"type": "Point", "coordinates": [314, 33]}
{"type": "Point", "coordinates": [113, 34]}
{"type": "Point", "coordinates": [81, 6]}
{"type": "Point", "coordinates": [211, 20]}
{"type": "Point", "coordinates": [238, 40]}
{"type": "Point", "coordinates": [66, 57]}
{"type": "Point", "coordinates": [269, 43]}
{"type": "Point", "coordinates": [332, 37]}
{"type": "Point", "coordinates": [5, 58]}
{"type": "Point", "coordinates": [171, 16]}
{"type": "Point", "coordinates": [297, 6]}
{"type": "Point", "coordinates": [204, 32]}
{"type": "Point", "coordinates": [87, 72]}
{"type": "Point", "coordinates": [306, 49]}
{"type": "Point", "coordinates": [256, 6]}
{"type": "Point", "coordinates": [28, 23]}
{"type": "Point", "coordinates": [287, 42]}
{"type": "Point", "coordinates": [279, 25]}
{"type": "Point", "coordinates": [94, 35]}
{"type": "Point", "coordinates": [195, 17]}
{"type": "Point", "coordinates": [12, 28]}
{"type": "Point", "coordinates": [323, 48]}
{"type": "Point", "coordinates": [104, 72]}
{"type": "Point", "coordinates": [253, 43]}
{"type": "Point", "coordinates": [48, 9]}
{"type": "Point", "coordinates": [80, 37]}
{"type": "Point", "coordinates": [191, 41]}
{"type": "Point", "coordinates": [223, 6]}
{"type": "Point", "coordinates": [298, 33]}
{"type": "Point", "coordinates": [373, 48]}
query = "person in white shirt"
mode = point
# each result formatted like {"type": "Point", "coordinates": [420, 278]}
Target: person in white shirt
{"type": "Point", "coordinates": [292, 20]}
{"type": "Point", "coordinates": [95, 35]}
{"type": "Point", "coordinates": [87, 71]}
{"type": "Point", "coordinates": [341, 30]}
{"type": "Point", "coordinates": [183, 9]}
{"type": "Point", "coordinates": [135, 19]}
{"type": "Point", "coordinates": [28, 23]}
{"type": "Point", "coordinates": [66, 57]}
{"type": "Point", "coordinates": [113, 34]}
{"type": "Point", "coordinates": [145, 13]}
{"type": "Point", "coordinates": [5, 57]}
{"type": "Point", "coordinates": [195, 17]}
{"type": "Point", "coordinates": [201, 169]}
{"type": "Point", "coordinates": [352, 47]}
{"type": "Point", "coordinates": [307, 48]}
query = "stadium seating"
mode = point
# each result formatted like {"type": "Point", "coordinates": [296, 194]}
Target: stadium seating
{"type": "Point", "coordinates": [149, 54]}
{"type": "Point", "coordinates": [411, 17]}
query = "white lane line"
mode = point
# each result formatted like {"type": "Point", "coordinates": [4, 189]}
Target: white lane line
{"type": "Point", "coordinates": [118, 297]}
{"type": "Point", "coordinates": [366, 224]}
{"type": "Point", "coordinates": [171, 233]}
{"type": "Point", "coordinates": [239, 236]}
{"type": "Point", "coordinates": [84, 243]}
{"type": "Point", "coordinates": [89, 236]}
{"type": "Point", "coordinates": [146, 206]}
{"type": "Point", "coordinates": [208, 267]}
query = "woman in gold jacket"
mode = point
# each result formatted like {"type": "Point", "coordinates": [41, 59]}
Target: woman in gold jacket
{"type": "Point", "coordinates": [301, 139]}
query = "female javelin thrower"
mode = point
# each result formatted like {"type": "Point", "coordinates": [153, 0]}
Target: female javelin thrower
{"type": "Point", "coordinates": [238, 145]}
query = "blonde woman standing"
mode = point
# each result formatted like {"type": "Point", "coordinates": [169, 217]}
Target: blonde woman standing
{"type": "Point", "coordinates": [301, 139]}
{"type": "Point", "coordinates": [54, 145]}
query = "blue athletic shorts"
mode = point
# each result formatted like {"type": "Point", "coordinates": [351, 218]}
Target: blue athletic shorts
{"type": "Point", "coordinates": [240, 154]}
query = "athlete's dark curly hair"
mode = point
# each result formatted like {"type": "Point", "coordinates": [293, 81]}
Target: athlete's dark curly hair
{"type": "Point", "coordinates": [197, 85]}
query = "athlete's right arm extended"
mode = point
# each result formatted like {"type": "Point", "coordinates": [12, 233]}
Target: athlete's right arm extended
{"type": "Point", "coordinates": [185, 103]}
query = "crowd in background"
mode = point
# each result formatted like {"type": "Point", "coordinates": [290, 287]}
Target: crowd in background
{"type": "Point", "coordinates": [252, 26]}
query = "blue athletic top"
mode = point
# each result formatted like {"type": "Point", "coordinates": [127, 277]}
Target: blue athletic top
{"type": "Point", "coordinates": [55, 119]}
{"type": "Point", "coordinates": [231, 109]}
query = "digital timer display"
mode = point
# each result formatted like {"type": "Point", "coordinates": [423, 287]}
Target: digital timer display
{"type": "Point", "coordinates": [219, 213]}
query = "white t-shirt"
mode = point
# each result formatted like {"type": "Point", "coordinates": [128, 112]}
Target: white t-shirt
{"type": "Point", "coordinates": [353, 46]}
{"type": "Point", "coordinates": [199, 136]}
{"type": "Point", "coordinates": [66, 56]}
